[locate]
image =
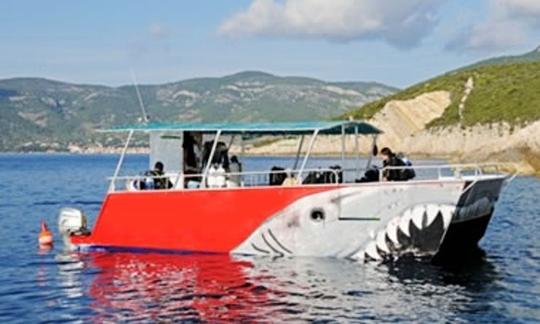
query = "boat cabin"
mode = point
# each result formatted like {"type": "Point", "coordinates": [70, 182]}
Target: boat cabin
{"type": "Point", "coordinates": [188, 156]}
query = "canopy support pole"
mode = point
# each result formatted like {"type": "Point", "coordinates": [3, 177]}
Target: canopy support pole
{"type": "Point", "coordinates": [298, 152]}
{"type": "Point", "coordinates": [231, 141]}
{"type": "Point", "coordinates": [210, 158]}
{"type": "Point", "coordinates": [120, 162]}
{"type": "Point", "coordinates": [342, 146]}
{"type": "Point", "coordinates": [370, 159]}
{"type": "Point", "coordinates": [242, 146]}
{"type": "Point", "coordinates": [310, 147]}
{"type": "Point", "coordinates": [357, 150]}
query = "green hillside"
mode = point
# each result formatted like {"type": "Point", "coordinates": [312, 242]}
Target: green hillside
{"type": "Point", "coordinates": [40, 114]}
{"type": "Point", "coordinates": [503, 92]}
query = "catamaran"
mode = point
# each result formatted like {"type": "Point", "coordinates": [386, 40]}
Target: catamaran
{"type": "Point", "coordinates": [207, 206]}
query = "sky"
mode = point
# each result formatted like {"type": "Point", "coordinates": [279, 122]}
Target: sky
{"type": "Point", "coordinates": [397, 42]}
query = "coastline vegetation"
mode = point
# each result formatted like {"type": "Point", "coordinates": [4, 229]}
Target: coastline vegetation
{"type": "Point", "coordinates": [503, 93]}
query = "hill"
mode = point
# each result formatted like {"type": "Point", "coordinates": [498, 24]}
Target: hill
{"type": "Point", "coordinates": [484, 112]}
{"type": "Point", "coordinates": [39, 114]}
{"type": "Point", "coordinates": [502, 93]}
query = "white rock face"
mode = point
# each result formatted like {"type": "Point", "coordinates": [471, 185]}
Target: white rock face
{"type": "Point", "coordinates": [400, 119]}
{"type": "Point", "coordinates": [342, 91]}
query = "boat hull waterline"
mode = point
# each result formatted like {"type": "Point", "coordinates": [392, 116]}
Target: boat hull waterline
{"type": "Point", "coordinates": [378, 221]}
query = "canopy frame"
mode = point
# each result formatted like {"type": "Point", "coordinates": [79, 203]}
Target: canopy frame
{"type": "Point", "coordinates": [314, 128]}
{"type": "Point", "coordinates": [263, 128]}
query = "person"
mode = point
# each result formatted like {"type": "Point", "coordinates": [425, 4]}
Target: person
{"type": "Point", "coordinates": [160, 181]}
{"type": "Point", "coordinates": [192, 152]}
{"type": "Point", "coordinates": [235, 168]}
{"type": "Point", "coordinates": [392, 161]}
{"type": "Point", "coordinates": [290, 180]}
{"type": "Point", "coordinates": [221, 154]}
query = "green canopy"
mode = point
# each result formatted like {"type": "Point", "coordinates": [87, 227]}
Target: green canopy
{"type": "Point", "coordinates": [262, 128]}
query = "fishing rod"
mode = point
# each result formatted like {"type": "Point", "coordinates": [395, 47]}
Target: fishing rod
{"type": "Point", "coordinates": [145, 117]}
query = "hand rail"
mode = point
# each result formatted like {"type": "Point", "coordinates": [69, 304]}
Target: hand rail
{"type": "Point", "coordinates": [179, 175]}
{"type": "Point", "coordinates": [459, 168]}
{"type": "Point", "coordinates": [297, 174]}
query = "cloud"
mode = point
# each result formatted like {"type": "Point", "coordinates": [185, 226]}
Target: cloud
{"type": "Point", "coordinates": [159, 31]}
{"type": "Point", "coordinates": [489, 36]}
{"type": "Point", "coordinates": [508, 25]}
{"type": "Point", "coordinates": [402, 23]}
{"type": "Point", "coordinates": [521, 8]}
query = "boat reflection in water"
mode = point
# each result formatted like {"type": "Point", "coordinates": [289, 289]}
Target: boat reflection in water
{"type": "Point", "coordinates": [156, 287]}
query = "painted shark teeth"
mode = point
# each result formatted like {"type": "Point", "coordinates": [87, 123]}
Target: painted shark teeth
{"type": "Point", "coordinates": [371, 252]}
{"type": "Point", "coordinates": [391, 230]}
{"type": "Point", "coordinates": [419, 231]}
{"type": "Point", "coordinates": [405, 221]}
{"type": "Point", "coordinates": [418, 214]}
{"type": "Point", "coordinates": [381, 242]}
{"type": "Point", "coordinates": [432, 211]}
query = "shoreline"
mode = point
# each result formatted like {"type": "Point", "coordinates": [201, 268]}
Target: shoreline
{"type": "Point", "coordinates": [254, 154]}
{"type": "Point", "coordinates": [513, 167]}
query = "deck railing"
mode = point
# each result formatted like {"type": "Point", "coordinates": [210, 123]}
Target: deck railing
{"type": "Point", "coordinates": [180, 181]}
{"type": "Point", "coordinates": [245, 179]}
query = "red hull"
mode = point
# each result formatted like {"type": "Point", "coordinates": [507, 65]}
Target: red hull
{"type": "Point", "coordinates": [212, 220]}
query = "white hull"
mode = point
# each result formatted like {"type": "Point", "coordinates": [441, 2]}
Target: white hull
{"type": "Point", "coordinates": [376, 222]}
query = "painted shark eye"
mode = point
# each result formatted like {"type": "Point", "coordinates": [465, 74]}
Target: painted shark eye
{"type": "Point", "coordinates": [317, 215]}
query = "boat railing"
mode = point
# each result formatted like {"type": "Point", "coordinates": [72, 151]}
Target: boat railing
{"type": "Point", "coordinates": [226, 179]}
{"type": "Point", "coordinates": [445, 171]}
{"type": "Point", "coordinates": [302, 177]}
{"type": "Point", "coordinates": [429, 172]}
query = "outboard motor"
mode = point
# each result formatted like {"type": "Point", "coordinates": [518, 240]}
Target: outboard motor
{"type": "Point", "coordinates": [71, 221]}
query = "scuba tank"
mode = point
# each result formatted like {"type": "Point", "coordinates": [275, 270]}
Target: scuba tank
{"type": "Point", "coordinates": [211, 179]}
{"type": "Point", "coordinates": [220, 177]}
{"type": "Point", "coordinates": [408, 173]}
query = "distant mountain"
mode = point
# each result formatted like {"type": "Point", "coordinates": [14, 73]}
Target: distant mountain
{"type": "Point", "coordinates": [41, 114]}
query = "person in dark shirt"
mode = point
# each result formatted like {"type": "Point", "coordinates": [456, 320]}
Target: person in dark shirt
{"type": "Point", "coordinates": [391, 160]}
{"type": "Point", "coordinates": [192, 152]}
{"type": "Point", "coordinates": [160, 181]}
{"type": "Point", "coordinates": [235, 168]}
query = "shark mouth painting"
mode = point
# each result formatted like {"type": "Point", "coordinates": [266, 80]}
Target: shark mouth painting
{"type": "Point", "coordinates": [419, 232]}
{"type": "Point", "coordinates": [348, 224]}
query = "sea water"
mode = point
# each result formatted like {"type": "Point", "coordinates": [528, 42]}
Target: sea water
{"type": "Point", "coordinates": [502, 283]}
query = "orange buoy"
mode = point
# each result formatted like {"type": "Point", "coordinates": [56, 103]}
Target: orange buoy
{"type": "Point", "coordinates": [45, 237]}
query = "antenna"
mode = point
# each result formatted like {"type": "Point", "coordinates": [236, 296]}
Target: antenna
{"type": "Point", "coordinates": [141, 103]}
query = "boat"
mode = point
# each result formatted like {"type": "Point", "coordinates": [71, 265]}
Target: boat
{"type": "Point", "coordinates": [198, 204]}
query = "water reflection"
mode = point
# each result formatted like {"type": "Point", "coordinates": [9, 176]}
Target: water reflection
{"type": "Point", "coordinates": [156, 287]}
